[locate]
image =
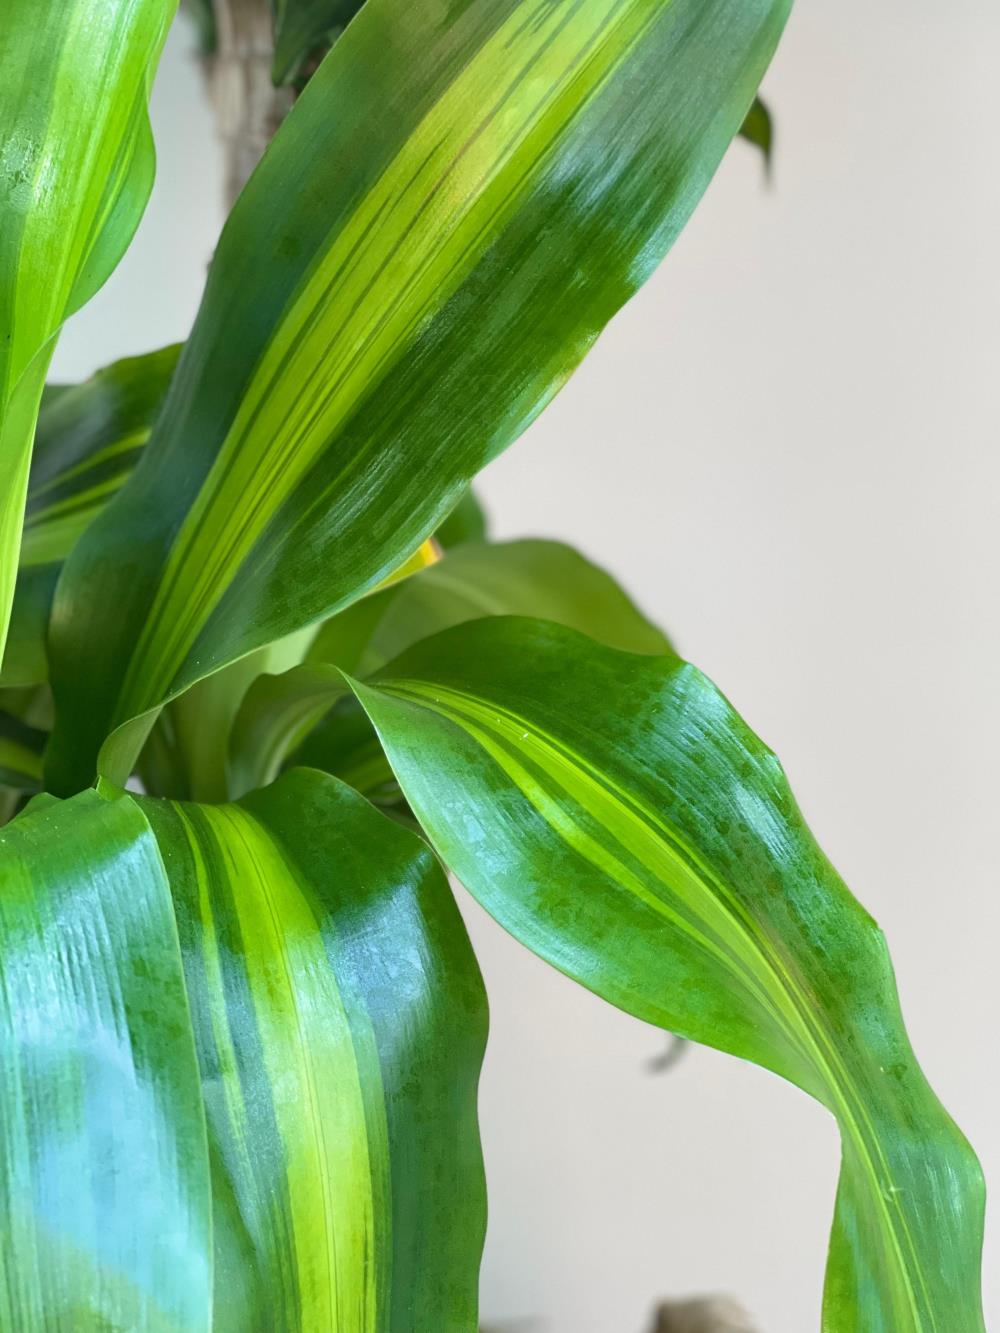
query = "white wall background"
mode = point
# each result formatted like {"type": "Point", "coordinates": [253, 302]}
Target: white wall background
{"type": "Point", "coordinates": [786, 447]}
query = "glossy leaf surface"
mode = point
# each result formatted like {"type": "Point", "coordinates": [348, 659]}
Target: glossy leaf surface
{"type": "Point", "coordinates": [536, 578]}
{"type": "Point", "coordinates": [76, 166]}
{"type": "Point", "coordinates": [88, 439]}
{"type": "Point", "coordinates": [340, 1023]}
{"type": "Point", "coordinates": [616, 815]}
{"type": "Point", "coordinates": [104, 1185]}
{"type": "Point", "coordinates": [457, 204]}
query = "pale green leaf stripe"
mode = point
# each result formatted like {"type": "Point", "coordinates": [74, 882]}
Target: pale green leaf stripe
{"type": "Point", "coordinates": [339, 1023]}
{"type": "Point", "coordinates": [455, 207]}
{"type": "Point", "coordinates": [76, 165]}
{"type": "Point", "coordinates": [617, 816]}
{"type": "Point", "coordinates": [104, 1179]}
{"type": "Point", "coordinates": [88, 441]}
{"type": "Point", "coordinates": [459, 197]}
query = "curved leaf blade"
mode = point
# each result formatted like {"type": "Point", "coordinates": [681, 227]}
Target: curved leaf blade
{"type": "Point", "coordinates": [457, 204]}
{"type": "Point", "coordinates": [617, 816]}
{"type": "Point", "coordinates": [536, 578]}
{"type": "Point", "coordinates": [88, 441]}
{"type": "Point", "coordinates": [75, 172]}
{"type": "Point", "coordinates": [104, 1184]}
{"type": "Point", "coordinates": [340, 1023]}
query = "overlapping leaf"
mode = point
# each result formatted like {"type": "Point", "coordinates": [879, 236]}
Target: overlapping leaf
{"type": "Point", "coordinates": [104, 1187]}
{"type": "Point", "coordinates": [76, 166]}
{"type": "Point", "coordinates": [340, 1022]}
{"type": "Point", "coordinates": [89, 439]}
{"type": "Point", "coordinates": [536, 578]}
{"type": "Point", "coordinates": [617, 816]}
{"type": "Point", "coordinates": [460, 200]}
{"type": "Point", "coordinates": [292, 972]}
{"type": "Point", "coordinates": [304, 28]}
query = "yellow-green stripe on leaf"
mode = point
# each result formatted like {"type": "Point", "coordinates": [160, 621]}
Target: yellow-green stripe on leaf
{"type": "Point", "coordinates": [616, 815]}
{"type": "Point", "coordinates": [459, 201]}
{"type": "Point", "coordinates": [76, 166]}
{"type": "Point", "coordinates": [524, 578]}
{"type": "Point", "coordinates": [88, 441]}
{"type": "Point", "coordinates": [339, 1021]}
{"type": "Point", "coordinates": [104, 1174]}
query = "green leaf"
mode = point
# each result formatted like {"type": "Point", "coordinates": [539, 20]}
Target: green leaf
{"type": "Point", "coordinates": [456, 205]}
{"type": "Point", "coordinates": [536, 578]}
{"type": "Point", "coordinates": [21, 747]}
{"type": "Point", "coordinates": [340, 1022]}
{"type": "Point", "coordinates": [304, 28]}
{"type": "Point", "coordinates": [203, 14]}
{"type": "Point", "coordinates": [467, 522]}
{"type": "Point", "coordinates": [104, 1181]}
{"type": "Point", "coordinates": [76, 166]}
{"type": "Point", "coordinates": [345, 743]}
{"type": "Point", "coordinates": [89, 439]}
{"type": "Point", "coordinates": [25, 660]}
{"type": "Point", "coordinates": [758, 129]}
{"type": "Point", "coordinates": [616, 815]}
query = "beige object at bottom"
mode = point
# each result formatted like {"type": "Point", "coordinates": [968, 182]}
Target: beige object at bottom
{"type": "Point", "coordinates": [713, 1314]}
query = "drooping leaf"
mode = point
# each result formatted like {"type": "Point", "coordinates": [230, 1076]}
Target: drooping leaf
{"type": "Point", "coordinates": [340, 1021]}
{"type": "Point", "coordinates": [457, 204]}
{"type": "Point", "coordinates": [345, 743]}
{"type": "Point", "coordinates": [616, 815]}
{"type": "Point", "coordinates": [104, 1177]}
{"type": "Point", "coordinates": [537, 578]}
{"type": "Point", "coordinates": [76, 166]}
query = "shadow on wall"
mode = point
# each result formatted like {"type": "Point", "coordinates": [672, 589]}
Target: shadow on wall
{"type": "Point", "coordinates": [702, 1314]}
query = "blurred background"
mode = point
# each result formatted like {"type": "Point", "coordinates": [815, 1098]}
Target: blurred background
{"type": "Point", "coordinates": [786, 449]}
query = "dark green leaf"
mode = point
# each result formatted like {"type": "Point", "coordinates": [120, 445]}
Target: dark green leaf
{"type": "Point", "coordinates": [617, 816]}
{"type": "Point", "coordinates": [89, 439]}
{"type": "Point", "coordinates": [21, 747]}
{"type": "Point", "coordinates": [759, 130]}
{"type": "Point", "coordinates": [457, 204]}
{"type": "Point", "coordinates": [304, 28]}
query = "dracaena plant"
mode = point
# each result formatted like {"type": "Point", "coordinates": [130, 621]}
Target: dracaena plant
{"type": "Point", "coordinates": [266, 679]}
